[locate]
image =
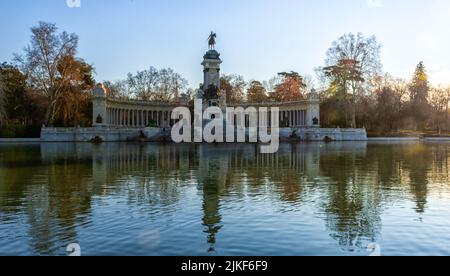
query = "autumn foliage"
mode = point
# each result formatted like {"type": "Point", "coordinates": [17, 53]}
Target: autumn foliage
{"type": "Point", "coordinates": [290, 88]}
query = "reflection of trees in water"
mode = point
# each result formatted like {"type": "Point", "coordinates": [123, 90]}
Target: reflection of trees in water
{"type": "Point", "coordinates": [280, 174]}
{"type": "Point", "coordinates": [352, 207]}
{"type": "Point", "coordinates": [362, 184]}
{"type": "Point", "coordinates": [56, 196]}
{"type": "Point", "coordinates": [69, 194]}
{"type": "Point", "coordinates": [418, 160]}
{"type": "Point", "coordinates": [415, 165]}
{"type": "Point", "coordinates": [241, 171]}
{"type": "Point", "coordinates": [17, 164]}
{"type": "Point", "coordinates": [58, 182]}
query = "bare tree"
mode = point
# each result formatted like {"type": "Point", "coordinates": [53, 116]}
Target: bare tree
{"type": "Point", "coordinates": [158, 85]}
{"type": "Point", "coordinates": [170, 85]}
{"type": "Point", "coordinates": [364, 50]}
{"type": "Point", "coordinates": [144, 84]}
{"type": "Point", "coordinates": [42, 63]}
{"type": "Point", "coordinates": [118, 89]}
{"type": "Point", "coordinates": [179, 85]}
{"type": "Point", "coordinates": [309, 82]}
{"type": "Point", "coordinates": [272, 83]}
{"type": "Point", "coordinates": [439, 99]}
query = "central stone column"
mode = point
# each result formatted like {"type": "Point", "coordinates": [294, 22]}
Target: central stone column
{"type": "Point", "coordinates": [211, 79]}
{"type": "Point", "coordinates": [211, 69]}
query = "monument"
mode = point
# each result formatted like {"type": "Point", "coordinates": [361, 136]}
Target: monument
{"type": "Point", "coordinates": [115, 119]}
{"type": "Point", "coordinates": [210, 91]}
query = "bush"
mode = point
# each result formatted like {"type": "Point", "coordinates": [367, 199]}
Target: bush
{"type": "Point", "coordinates": [20, 131]}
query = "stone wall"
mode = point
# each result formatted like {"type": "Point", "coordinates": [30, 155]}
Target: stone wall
{"type": "Point", "coordinates": [321, 134]}
{"type": "Point", "coordinates": [110, 134]}
{"type": "Point", "coordinates": [107, 134]}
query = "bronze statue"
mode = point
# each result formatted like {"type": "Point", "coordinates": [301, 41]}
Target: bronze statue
{"type": "Point", "coordinates": [212, 40]}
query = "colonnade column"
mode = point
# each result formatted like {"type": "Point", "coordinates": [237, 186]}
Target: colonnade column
{"type": "Point", "coordinates": [124, 117]}
{"type": "Point", "coordinates": [163, 124]}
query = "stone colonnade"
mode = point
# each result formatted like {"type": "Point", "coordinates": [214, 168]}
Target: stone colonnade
{"type": "Point", "coordinates": [304, 113]}
{"type": "Point", "coordinates": [293, 118]}
{"type": "Point", "coordinates": [137, 114]}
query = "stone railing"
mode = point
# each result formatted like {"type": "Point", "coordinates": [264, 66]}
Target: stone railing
{"type": "Point", "coordinates": [145, 103]}
{"type": "Point", "coordinates": [272, 103]}
{"type": "Point", "coordinates": [86, 129]}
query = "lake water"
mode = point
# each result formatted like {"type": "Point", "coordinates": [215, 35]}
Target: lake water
{"type": "Point", "coordinates": [152, 199]}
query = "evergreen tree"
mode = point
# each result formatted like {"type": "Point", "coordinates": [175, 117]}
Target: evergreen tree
{"type": "Point", "coordinates": [419, 107]}
{"type": "Point", "coordinates": [420, 86]}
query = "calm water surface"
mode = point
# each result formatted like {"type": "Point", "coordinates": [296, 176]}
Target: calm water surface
{"type": "Point", "coordinates": [311, 199]}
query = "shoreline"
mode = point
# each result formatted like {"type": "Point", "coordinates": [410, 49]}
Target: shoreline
{"type": "Point", "coordinates": [369, 139]}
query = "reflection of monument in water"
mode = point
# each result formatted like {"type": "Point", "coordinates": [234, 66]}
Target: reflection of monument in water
{"type": "Point", "coordinates": [221, 170]}
{"type": "Point", "coordinates": [217, 170]}
{"type": "Point", "coordinates": [339, 176]}
{"type": "Point", "coordinates": [350, 185]}
{"type": "Point", "coordinates": [349, 200]}
{"type": "Point", "coordinates": [213, 177]}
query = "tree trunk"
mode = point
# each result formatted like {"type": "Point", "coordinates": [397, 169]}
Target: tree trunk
{"type": "Point", "coordinates": [353, 108]}
{"type": "Point", "coordinates": [447, 117]}
{"type": "Point", "coordinates": [49, 114]}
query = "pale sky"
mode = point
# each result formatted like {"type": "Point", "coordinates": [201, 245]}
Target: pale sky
{"type": "Point", "coordinates": [257, 38]}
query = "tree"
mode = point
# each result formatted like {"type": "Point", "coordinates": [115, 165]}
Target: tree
{"type": "Point", "coordinates": [271, 84]}
{"type": "Point", "coordinates": [364, 50]}
{"type": "Point", "coordinates": [158, 85]}
{"type": "Point", "coordinates": [144, 84]}
{"type": "Point", "coordinates": [256, 93]}
{"type": "Point", "coordinates": [191, 93]}
{"type": "Point", "coordinates": [73, 106]}
{"type": "Point", "coordinates": [44, 64]}
{"type": "Point", "coordinates": [290, 88]}
{"type": "Point", "coordinates": [351, 62]}
{"type": "Point", "coordinates": [2, 105]}
{"type": "Point", "coordinates": [15, 103]}
{"type": "Point", "coordinates": [419, 107]}
{"type": "Point", "coordinates": [439, 100]}
{"type": "Point", "coordinates": [234, 87]}
{"type": "Point", "coordinates": [118, 89]}
{"type": "Point", "coordinates": [388, 112]}
{"type": "Point", "coordinates": [420, 86]}
{"type": "Point", "coordinates": [342, 75]}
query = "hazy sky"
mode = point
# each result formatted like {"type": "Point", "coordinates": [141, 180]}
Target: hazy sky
{"type": "Point", "coordinates": [257, 38]}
